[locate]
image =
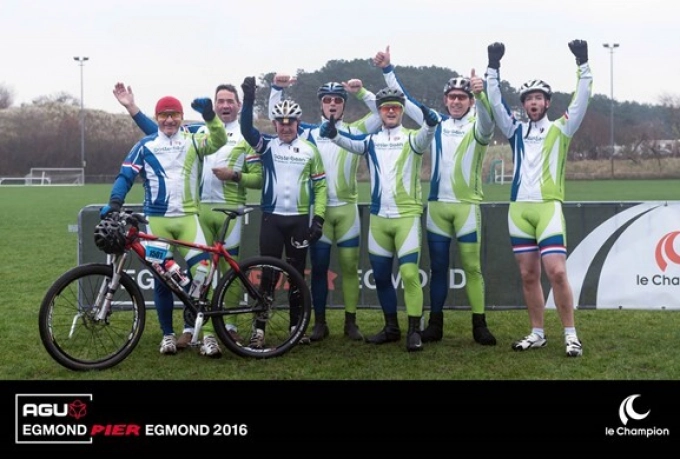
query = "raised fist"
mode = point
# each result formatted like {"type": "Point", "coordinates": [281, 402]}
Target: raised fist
{"type": "Point", "coordinates": [248, 86]}
{"type": "Point", "coordinates": [204, 106]}
{"type": "Point", "coordinates": [283, 80]}
{"type": "Point", "coordinates": [495, 52]}
{"type": "Point", "coordinates": [353, 86]}
{"type": "Point", "coordinates": [579, 48]}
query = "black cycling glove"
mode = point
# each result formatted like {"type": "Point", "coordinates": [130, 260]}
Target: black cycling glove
{"type": "Point", "coordinates": [248, 86]}
{"type": "Point", "coordinates": [495, 51]}
{"type": "Point", "coordinates": [204, 106]}
{"type": "Point", "coordinates": [328, 128]}
{"type": "Point", "coordinates": [579, 48]}
{"type": "Point", "coordinates": [316, 229]}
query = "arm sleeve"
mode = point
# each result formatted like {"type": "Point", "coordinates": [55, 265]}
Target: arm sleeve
{"type": "Point", "coordinates": [275, 96]}
{"type": "Point", "coordinates": [371, 122]}
{"type": "Point", "coordinates": [484, 124]}
{"type": "Point", "coordinates": [249, 132]}
{"type": "Point", "coordinates": [318, 175]}
{"type": "Point", "coordinates": [412, 108]}
{"type": "Point", "coordinates": [214, 140]}
{"type": "Point", "coordinates": [132, 164]}
{"type": "Point", "coordinates": [146, 124]}
{"type": "Point", "coordinates": [500, 112]}
{"type": "Point", "coordinates": [251, 175]}
{"type": "Point", "coordinates": [579, 103]}
{"type": "Point", "coordinates": [357, 144]}
{"type": "Point", "coordinates": [420, 142]}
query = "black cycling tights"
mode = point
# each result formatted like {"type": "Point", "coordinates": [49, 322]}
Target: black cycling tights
{"type": "Point", "coordinates": [279, 232]}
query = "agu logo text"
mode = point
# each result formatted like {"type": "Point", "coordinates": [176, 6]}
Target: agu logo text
{"type": "Point", "coordinates": [52, 418]}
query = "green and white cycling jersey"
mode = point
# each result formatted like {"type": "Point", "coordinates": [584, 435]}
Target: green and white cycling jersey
{"type": "Point", "coordinates": [340, 166]}
{"type": "Point", "coordinates": [394, 159]}
{"type": "Point", "coordinates": [457, 150]}
{"type": "Point", "coordinates": [237, 155]}
{"type": "Point", "coordinates": [293, 177]}
{"type": "Point", "coordinates": [170, 169]}
{"type": "Point", "coordinates": [540, 148]}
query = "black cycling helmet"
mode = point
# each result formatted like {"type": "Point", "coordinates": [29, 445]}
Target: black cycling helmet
{"type": "Point", "coordinates": [332, 88]}
{"type": "Point", "coordinates": [389, 95]}
{"type": "Point", "coordinates": [109, 236]}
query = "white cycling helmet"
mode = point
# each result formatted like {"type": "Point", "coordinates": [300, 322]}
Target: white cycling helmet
{"type": "Point", "coordinates": [461, 83]}
{"type": "Point", "coordinates": [533, 86]}
{"type": "Point", "coordinates": [286, 110]}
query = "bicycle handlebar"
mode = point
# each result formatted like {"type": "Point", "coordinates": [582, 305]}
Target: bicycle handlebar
{"type": "Point", "coordinates": [126, 217]}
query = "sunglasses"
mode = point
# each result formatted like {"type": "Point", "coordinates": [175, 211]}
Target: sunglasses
{"type": "Point", "coordinates": [330, 100]}
{"type": "Point", "coordinates": [389, 108]}
{"type": "Point", "coordinates": [460, 97]}
{"type": "Point", "coordinates": [165, 115]}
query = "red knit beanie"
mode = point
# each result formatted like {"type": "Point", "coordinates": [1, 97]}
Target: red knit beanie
{"type": "Point", "coordinates": [168, 104]}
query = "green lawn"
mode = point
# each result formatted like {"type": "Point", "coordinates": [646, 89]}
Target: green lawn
{"type": "Point", "coordinates": [37, 247]}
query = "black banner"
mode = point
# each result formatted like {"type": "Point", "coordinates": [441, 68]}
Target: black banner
{"type": "Point", "coordinates": [291, 417]}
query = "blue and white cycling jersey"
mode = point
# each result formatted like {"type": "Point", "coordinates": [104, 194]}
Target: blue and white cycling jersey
{"type": "Point", "coordinates": [170, 168]}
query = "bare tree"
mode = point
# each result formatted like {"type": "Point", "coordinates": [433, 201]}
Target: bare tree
{"type": "Point", "coordinates": [6, 96]}
{"type": "Point", "coordinates": [59, 98]}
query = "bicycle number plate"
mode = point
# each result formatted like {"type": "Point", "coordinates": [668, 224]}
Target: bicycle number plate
{"type": "Point", "coordinates": [156, 251]}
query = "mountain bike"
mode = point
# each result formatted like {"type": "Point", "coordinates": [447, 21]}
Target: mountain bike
{"type": "Point", "coordinates": [93, 316]}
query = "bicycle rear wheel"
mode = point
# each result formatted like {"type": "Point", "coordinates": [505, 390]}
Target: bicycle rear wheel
{"type": "Point", "coordinates": [70, 330]}
{"type": "Point", "coordinates": [282, 316]}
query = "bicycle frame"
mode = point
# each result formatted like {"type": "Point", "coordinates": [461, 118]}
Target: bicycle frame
{"type": "Point", "coordinates": [85, 324]}
{"type": "Point", "coordinates": [197, 306]}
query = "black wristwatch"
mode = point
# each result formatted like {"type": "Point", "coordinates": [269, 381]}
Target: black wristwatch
{"type": "Point", "coordinates": [237, 176]}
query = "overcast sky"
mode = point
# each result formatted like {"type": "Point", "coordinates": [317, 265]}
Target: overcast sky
{"type": "Point", "coordinates": [186, 48]}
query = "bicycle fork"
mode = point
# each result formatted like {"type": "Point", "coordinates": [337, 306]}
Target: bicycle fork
{"type": "Point", "coordinates": [101, 308]}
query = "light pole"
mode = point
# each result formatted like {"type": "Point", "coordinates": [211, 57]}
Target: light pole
{"type": "Point", "coordinates": [611, 47]}
{"type": "Point", "coordinates": [81, 61]}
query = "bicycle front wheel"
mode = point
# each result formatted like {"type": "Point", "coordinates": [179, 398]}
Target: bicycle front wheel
{"type": "Point", "coordinates": [271, 325]}
{"type": "Point", "coordinates": [72, 329]}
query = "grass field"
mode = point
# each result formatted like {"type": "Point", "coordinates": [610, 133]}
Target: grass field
{"type": "Point", "coordinates": [38, 247]}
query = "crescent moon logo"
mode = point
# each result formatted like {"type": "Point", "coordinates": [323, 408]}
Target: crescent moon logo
{"type": "Point", "coordinates": [627, 411]}
{"type": "Point", "coordinates": [665, 252]}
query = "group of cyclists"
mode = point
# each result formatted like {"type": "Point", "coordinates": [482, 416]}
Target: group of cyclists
{"type": "Point", "coordinates": [308, 177]}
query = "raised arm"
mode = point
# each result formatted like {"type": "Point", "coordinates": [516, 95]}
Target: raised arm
{"type": "Point", "coordinates": [371, 122]}
{"type": "Point", "coordinates": [279, 83]}
{"type": "Point", "coordinates": [383, 59]}
{"type": "Point", "coordinates": [249, 132]}
{"type": "Point", "coordinates": [501, 113]}
{"type": "Point", "coordinates": [420, 142]}
{"type": "Point", "coordinates": [126, 98]}
{"type": "Point", "coordinates": [217, 135]}
{"type": "Point", "coordinates": [484, 124]}
{"type": "Point", "coordinates": [576, 111]}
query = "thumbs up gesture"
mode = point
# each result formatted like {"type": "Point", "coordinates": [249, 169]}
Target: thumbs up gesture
{"type": "Point", "coordinates": [328, 129]}
{"type": "Point", "coordinates": [476, 83]}
{"type": "Point", "coordinates": [382, 58]}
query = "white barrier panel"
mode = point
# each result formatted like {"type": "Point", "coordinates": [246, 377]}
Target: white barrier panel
{"type": "Point", "coordinates": [635, 257]}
